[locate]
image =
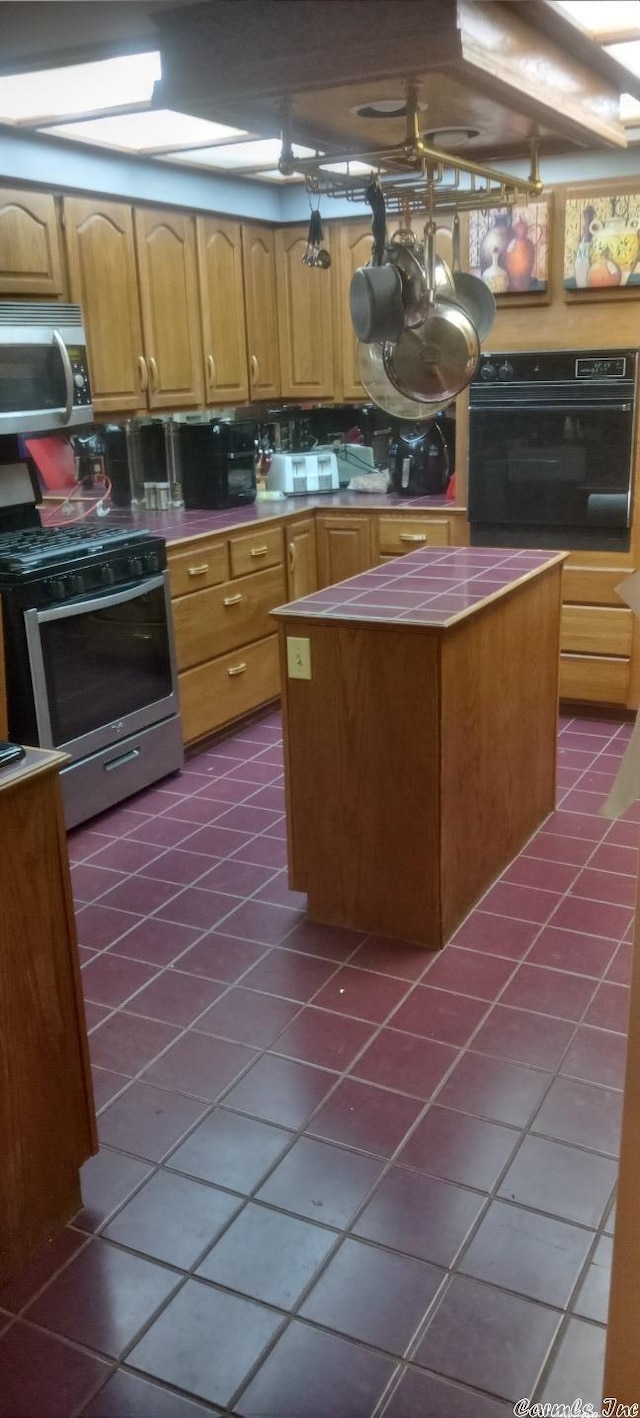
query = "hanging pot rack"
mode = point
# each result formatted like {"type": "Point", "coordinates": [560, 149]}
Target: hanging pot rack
{"type": "Point", "coordinates": [413, 174]}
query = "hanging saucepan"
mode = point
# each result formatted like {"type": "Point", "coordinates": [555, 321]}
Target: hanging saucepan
{"type": "Point", "coordinates": [372, 374]}
{"type": "Point", "coordinates": [392, 293]}
{"type": "Point", "coordinates": [435, 361]}
{"type": "Point", "coordinates": [471, 292]}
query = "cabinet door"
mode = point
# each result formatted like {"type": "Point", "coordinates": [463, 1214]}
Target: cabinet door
{"type": "Point", "coordinates": [302, 574]}
{"type": "Point", "coordinates": [344, 548]}
{"type": "Point", "coordinates": [258, 255]}
{"type": "Point", "coordinates": [224, 339]}
{"type": "Point", "coordinates": [354, 249]}
{"type": "Point", "coordinates": [30, 261]}
{"type": "Point", "coordinates": [166, 247]}
{"type": "Point", "coordinates": [305, 319]}
{"type": "Point", "coordinates": [102, 275]}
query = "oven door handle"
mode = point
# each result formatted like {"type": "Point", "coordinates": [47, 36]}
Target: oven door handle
{"type": "Point", "coordinates": [68, 375]}
{"type": "Point", "coordinates": [547, 406]}
{"type": "Point", "coordinates": [98, 603]}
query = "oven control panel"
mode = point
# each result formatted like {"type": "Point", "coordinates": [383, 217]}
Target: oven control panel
{"type": "Point", "coordinates": [612, 367]}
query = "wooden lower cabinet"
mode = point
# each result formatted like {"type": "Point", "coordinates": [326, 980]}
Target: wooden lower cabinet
{"type": "Point", "coordinates": [215, 621]}
{"type": "Point", "coordinates": [404, 533]}
{"type": "Point", "coordinates": [302, 572]}
{"type": "Point", "coordinates": [595, 679]}
{"type": "Point", "coordinates": [47, 1119]}
{"type": "Point", "coordinates": [343, 547]}
{"type": "Point", "coordinates": [216, 693]}
{"type": "Point", "coordinates": [596, 639]}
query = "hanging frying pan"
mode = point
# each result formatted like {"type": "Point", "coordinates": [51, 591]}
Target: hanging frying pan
{"type": "Point", "coordinates": [472, 293]}
{"type": "Point", "coordinates": [435, 361]}
{"type": "Point", "coordinates": [372, 375]}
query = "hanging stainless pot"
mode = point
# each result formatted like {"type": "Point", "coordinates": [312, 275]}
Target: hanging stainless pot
{"type": "Point", "coordinates": [393, 296]}
{"type": "Point", "coordinates": [372, 375]}
{"type": "Point", "coordinates": [471, 292]}
{"type": "Point", "coordinates": [435, 361]}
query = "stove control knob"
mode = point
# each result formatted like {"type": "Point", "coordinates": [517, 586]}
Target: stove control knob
{"type": "Point", "coordinates": [505, 372]}
{"type": "Point", "coordinates": [136, 566]}
{"type": "Point", "coordinates": [75, 584]}
{"type": "Point", "coordinates": [151, 562]}
{"type": "Point", "coordinates": [57, 589]}
{"type": "Point", "coordinates": [488, 372]}
{"type": "Point", "coordinates": [107, 575]}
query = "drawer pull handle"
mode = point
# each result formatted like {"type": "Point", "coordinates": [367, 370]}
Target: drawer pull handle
{"type": "Point", "coordinates": [292, 555]}
{"type": "Point", "coordinates": [232, 600]}
{"type": "Point", "coordinates": [413, 537]}
{"type": "Point", "coordinates": [198, 570]}
{"type": "Point", "coordinates": [259, 551]}
{"type": "Point", "coordinates": [236, 670]}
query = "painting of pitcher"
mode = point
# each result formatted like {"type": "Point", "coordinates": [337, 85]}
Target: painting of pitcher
{"type": "Point", "coordinates": [602, 242]}
{"type": "Point", "coordinates": [509, 247]}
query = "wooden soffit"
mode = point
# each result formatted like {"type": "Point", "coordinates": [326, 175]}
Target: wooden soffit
{"type": "Point", "coordinates": [481, 64]}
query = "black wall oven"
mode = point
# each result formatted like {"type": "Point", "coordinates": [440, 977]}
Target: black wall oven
{"type": "Point", "coordinates": [552, 449]}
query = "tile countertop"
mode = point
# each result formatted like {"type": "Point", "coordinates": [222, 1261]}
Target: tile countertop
{"type": "Point", "coordinates": [434, 587]}
{"type": "Point", "coordinates": [178, 523]}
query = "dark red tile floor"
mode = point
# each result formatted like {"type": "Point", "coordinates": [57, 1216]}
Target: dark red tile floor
{"type": "Point", "coordinates": [339, 1176]}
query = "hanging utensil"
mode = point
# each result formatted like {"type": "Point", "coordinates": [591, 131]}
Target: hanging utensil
{"type": "Point", "coordinates": [375, 295]}
{"type": "Point", "coordinates": [373, 376]}
{"type": "Point", "coordinates": [471, 292]}
{"type": "Point", "coordinates": [435, 361]}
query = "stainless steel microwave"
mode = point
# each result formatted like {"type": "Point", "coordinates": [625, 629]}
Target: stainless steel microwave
{"type": "Point", "coordinates": [44, 373]}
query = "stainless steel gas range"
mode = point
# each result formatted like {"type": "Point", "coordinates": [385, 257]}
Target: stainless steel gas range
{"type": "Point", "coordinates": [89, 655]}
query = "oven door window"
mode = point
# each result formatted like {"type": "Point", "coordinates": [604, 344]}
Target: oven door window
{"type": "Point", "coordinates": [563, 467]}
{"type": "Point", "coordinates": [104, 662]}
{"type": "Point", "coordinates": [31, 378]}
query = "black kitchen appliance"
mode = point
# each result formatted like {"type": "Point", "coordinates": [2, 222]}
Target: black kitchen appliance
{"type": "Point", "coordinates": [419, 460]}
{"type": "Point", "coordinates": [218, 463]}
{"type": "Point", "coordinates": [551, 449]}
{"type": "Point", "coordinates": [89, 654]}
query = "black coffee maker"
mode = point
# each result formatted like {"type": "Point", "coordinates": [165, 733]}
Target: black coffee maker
{"type": "Point", "coordinates": [419, 460]}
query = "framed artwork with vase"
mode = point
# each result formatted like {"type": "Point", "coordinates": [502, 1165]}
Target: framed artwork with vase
{"type": "Point", "coordinates": [509, 248]}
{"type": "Point", "coordinates": [602, 243]}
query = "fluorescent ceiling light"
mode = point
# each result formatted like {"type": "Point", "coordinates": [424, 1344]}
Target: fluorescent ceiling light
{"type": "Point", "coordinates": [149, 131]}
{"type": "Point", "coordinates": [352, 169]}
{"type": "Point", "coordinates": [629, 107]}
{"type": "Point", "coordinates": [600, 17]}
{"type": "Point", "coordinates": [274, 176]}
{"type": "Point", "coordinates": [627, 54]}
{"type": "Point", "coordinates": [262, 152]}
{"type": "Point", "coordinates": [79, 88]}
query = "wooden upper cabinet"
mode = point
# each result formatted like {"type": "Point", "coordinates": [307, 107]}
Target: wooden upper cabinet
{"type": "Point", "coordinates": [30, 260]}
{"type": "Point", "coordinates": [103, 280]}
{"type": "Point", "coordinates": [354, 249]}
{"type": "Point", "coordinates": [222, 314]}
{"type": "Point", "coordinates": [305, 319]}
{"type": "Point", "coordinates": [258, 255]}
{"type": "Point", "coordinates": [167, 269]}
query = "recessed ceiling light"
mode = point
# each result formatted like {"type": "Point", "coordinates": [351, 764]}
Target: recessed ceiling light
{"type": "Point", "coordinates": [450, 137]}
{"type": "Point", "coordinates": [79, 88]}
{"type": "Point", "coordinates": [148, 131]}
{"type": "Point", "coordinates": [384, 108]}
{"type": "Point", "coordinates": [262, 152]}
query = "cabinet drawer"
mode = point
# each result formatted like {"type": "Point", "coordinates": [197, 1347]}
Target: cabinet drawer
{"type": "Point", "coordinates": [224, 689]}
{"type": "Point", "coordinates": [206, 564]}
{"type": "Point", "coordinates": [597, 679]}
{"type": "Point", "coordinates": [252, 553]}
{"type": "Point", "coordinates": [596, 630]}
{"type": "Point", "coordinates": [593, 585]}
{"type": "Point", "coordinates": [402, 534]}
{"type": "Point", "coordinates": [223, 617]}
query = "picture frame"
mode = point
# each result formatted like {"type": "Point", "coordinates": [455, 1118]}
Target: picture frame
{"type": "Point", "coordinates": [509, 248]}
{"type": "Point", "coordinates": [601, 248]}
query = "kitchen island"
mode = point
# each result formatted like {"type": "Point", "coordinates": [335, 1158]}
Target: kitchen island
{"type": "Point", "coordinates": [420, 705]}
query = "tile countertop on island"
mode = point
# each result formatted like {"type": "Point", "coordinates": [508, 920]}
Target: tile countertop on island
{"type": "Point", "coordinates": [178, 523]}
{"type": "Point", "coordinates": [433, 587]}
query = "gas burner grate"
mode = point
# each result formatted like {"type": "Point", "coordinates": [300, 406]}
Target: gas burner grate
{"type": "Point", "coordinates": [33, 547]}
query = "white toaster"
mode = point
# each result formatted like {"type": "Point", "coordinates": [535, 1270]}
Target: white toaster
{"type": "Point", "coordinates": [298, 473]}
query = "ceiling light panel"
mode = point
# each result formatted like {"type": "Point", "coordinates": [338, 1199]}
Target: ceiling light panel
{"type": "Point", "coordinates": [627, 54]}
{"type": "Point", "coordinates": [153, 130]}
{"type": "Point", "coordinates": [606, 17]}
{"type": "Point", "coordinates": [79, 88]}
{"type": "Point", "coordinates": [629, 108]}
{"type": "Point", "coordinates": [239, 157]}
